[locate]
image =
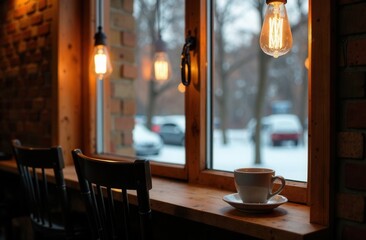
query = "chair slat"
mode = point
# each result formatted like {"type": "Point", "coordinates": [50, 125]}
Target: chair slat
{"type": "Point", "coordinates": [50, 211]}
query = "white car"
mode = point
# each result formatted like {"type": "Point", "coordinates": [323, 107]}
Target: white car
{"type": "Point", "coordinates": [146, 142]}
{"type": "Point", "coordinates": [278, 129]}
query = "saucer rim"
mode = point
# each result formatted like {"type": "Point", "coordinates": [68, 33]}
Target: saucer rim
{"type": "Point", "coordinates": [255, 207]}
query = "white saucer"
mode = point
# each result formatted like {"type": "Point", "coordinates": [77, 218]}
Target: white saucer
{"type": "Point", "coordinates": [235, 201]}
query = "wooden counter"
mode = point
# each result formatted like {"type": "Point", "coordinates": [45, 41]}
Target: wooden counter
{"type": "Point", "coordinates": [205, 205]}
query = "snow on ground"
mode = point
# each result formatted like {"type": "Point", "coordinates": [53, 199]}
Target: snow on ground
{"type": "Point", "coordinates": [289, 161]}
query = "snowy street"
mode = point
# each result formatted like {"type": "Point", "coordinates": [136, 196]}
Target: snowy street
{"type": "Point", "coordinates": [288, 160]}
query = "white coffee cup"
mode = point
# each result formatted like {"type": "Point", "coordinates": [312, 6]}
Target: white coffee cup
{"type": "Point", "coordinates": [255, 185]}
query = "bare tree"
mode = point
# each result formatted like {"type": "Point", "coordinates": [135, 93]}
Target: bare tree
{"type": "Point", "coordinates": [223, 66]}
{"type": "Point", "coordinates": [263, 66]}
{"type": "Point", "coordinates": [148, 34]}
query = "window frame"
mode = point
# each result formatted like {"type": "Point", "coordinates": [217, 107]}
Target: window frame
{"type": "Point", "coordinates": [196, 106]}
{"type": "Point", "coordinates": [317, 191]}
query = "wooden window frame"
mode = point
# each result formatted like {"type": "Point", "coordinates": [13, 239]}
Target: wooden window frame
{"type": "Point", "coordinates": [317, 191]}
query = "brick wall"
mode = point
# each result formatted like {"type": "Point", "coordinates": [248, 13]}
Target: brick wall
{"type": "Point", "coordinates": [28, 103]}
{"type": "Point", "coordinates": [122, 41]}
{"type": "Point", "coordinates": [25, 72]}
{"type": "Point", "coordinates": [351, 117]}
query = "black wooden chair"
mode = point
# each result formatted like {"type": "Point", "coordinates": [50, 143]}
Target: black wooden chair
{"type": "Point", "coordinates": [48, 202]}
{"type": "Point", "coordinates": [109, 210]}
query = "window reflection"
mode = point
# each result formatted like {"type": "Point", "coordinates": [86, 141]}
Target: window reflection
{"type": "Point", "coordinates": [160, 105]}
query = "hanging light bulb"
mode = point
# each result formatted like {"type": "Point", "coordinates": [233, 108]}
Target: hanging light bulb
{"type": "Point", "coordinates": [276, 38]}
{"type": "Point", "coordinates": [161, 61]}
{"type": "Point", "coordinates": [102, 66]}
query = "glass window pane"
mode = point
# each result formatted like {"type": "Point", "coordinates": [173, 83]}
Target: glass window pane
{"type": "Point", "coordinates": [159, 98]}
{"type": "Point", "coordinates": [249, 85]}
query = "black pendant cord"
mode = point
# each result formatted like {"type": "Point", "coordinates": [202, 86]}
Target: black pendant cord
{"type": "Point", "coordinates": [158, 18]}
{"type": "Point", "coordinates": [99, 14]}
{"type": "Point", "coordinates": [99, 37]}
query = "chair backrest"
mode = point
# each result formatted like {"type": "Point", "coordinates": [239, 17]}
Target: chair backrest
{"type": "Point", "coordinates": [109, 211]}
{"type": "Point", "coordinates": [48, 205]}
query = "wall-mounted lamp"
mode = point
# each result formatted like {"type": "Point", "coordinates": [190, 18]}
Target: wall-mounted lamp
{"type": "Point", "coordinates": [276, 38]}
{"type": "Point", "coordinates": [102, 66]}
{"type": "Point", "coordinates": [161, 60]}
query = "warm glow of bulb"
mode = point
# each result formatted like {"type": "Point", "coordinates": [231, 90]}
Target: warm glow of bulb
{"type": "Point", "coordinates": [276, 37]}
{"type": "Point", "coordinates": [101, 62]}
{"type": "Point", "coordinates": [161, 66]}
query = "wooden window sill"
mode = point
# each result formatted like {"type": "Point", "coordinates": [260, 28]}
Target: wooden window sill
{"type": "Point", "coordinates": [205, 205]}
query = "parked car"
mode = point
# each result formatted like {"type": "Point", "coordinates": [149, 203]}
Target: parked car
{"type": "Point", "coordinates": [172, 129]}
{"type": "Point", "coordinates": [278, 129]}
{"type": "Point", "coordinates": [146, 142]}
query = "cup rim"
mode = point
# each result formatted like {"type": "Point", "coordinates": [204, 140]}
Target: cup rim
{"type": "Point", "coordinates": [254, 170]}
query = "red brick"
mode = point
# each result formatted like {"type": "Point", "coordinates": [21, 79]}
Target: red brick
{"type": "Point", "coordinates": [27, 34]}
{"type": "Point", "coordinates": [11, 27]}
{"type": "Point", "coordinates": [42, 4]}
{"type": "Point", "coordinates": [115, 106]}
{"type": "Point", "coordinates": [127, 138]}
{"type": "Point", "coordinates": [350, 19]}
{"type": "Point", "coordinates": [352, 84]}
{"type": "Point", "coordinates": [17, 37]}
{"type": "Point", "coordinates": [356, 52]}
{"type": "Point", "coordinates": [15, 61]}
{"type": "Point", "coordinates": [128, 39]}
{"type": "Point", "coordinates": [353, 232]}
{"type": "Point", "coordinates": [351, 145]}
{"type": "Point", "coordinates": [22, 47]}
{"type": "Point", "coordinates": [32, 69]}
{"type": "Point", "coordinates": [129, 107]}
{"type": "Point", "coordinates": [13, 72]}
{"type": "Point", "coordinates": [32, 44]}
{"type": "Point", "coordinates": [351, 207]}
{"type": "Point", "coordinates": [123, 53]}
{"type": "Point", "coordinates": [128, 71]}
{"type": "Point", "coordinates": [128, 6]}
{"type": "Point", "coordinates": [355, 176]}
{"type": "Point", "coordinates": [124, 123]}
{"type": "Point", "coordinates": [122, 22]}
{"type": "Point", "coordinates": [356, 114]}
{"type": "Point", "coordinates": [52, 3]}
{"type": "Point", "coordinates": [19, 12]}
{"type": "Point", "coordinates": [5, 42]}
{"type": "Point", "coordinates": [23, 23]}
{"type": "Point", "coordinates": [349, 1]}
{"type": "Point", "coordinates": [48, 14]}
{"type": "Point", "coordinates": [38, 104]}
{"type": "Point", "coordinates": [41, 42]}
{"type": "Point", "coordinates": [36, 19]}
{"type": "Point", "coordinates": [31, 8]}
{"type": "Point", "coordinates": [44, 29]}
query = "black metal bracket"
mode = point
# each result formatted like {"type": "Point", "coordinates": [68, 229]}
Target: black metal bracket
{"type": "Point", "coordinates": [185, 64]}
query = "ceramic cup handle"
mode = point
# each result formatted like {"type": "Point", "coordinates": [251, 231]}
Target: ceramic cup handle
{"type": "Point", "coordinates": [283, 184]}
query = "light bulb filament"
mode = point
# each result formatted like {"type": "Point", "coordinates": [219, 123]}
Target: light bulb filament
{"type": "Point", "coordinates": [276, 38]}
{"type": "Point", "coordinates": [275, 32]}
{"type": "Point", "coordinates": [161, 66]}
{"type": "Point", "coordinates": [161, 70]}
